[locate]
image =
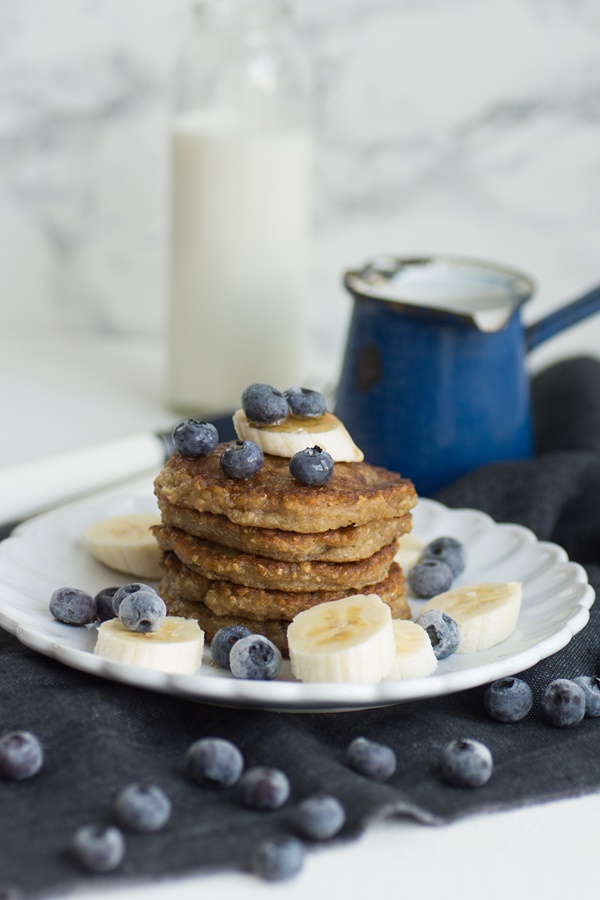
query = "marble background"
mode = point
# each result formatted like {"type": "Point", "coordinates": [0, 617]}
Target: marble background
{"type": "Point", "coordinates": [470, 126]}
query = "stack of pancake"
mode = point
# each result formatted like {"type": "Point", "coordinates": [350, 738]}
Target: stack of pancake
{"type": "Point", "coordinates": [259, 551]}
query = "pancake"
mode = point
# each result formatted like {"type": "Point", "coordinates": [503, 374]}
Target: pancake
{"type": "Point", "coordinates": [222, 563]}
{"type": "Point", "coordinates": [339, 545]}
{"type": "Point", "coordinates": [226, 599]}
{"type": "Point", "coordinates": [357, 493]}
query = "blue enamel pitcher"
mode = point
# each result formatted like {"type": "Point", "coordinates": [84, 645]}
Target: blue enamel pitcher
{"type": "Point", "coordinates": [434, 381]}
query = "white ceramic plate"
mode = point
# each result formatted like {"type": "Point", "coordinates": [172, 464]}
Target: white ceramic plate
{"type": "Point", "coordinates": [49, 552]}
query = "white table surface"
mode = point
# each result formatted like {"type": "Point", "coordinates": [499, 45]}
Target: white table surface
{"type": "Point", "coordinates": [62, 393]}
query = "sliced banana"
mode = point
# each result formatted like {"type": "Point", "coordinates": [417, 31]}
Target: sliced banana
{"type": "Point", "coordinates": [351, 640]}
{"type": "Point", "coordinates": [175, 647]}
{"type": "Point", "coordinates": [409, 552]}
{"type": "Point", "coordinates": [295, 434]}
{"type": "Point", "coordinates": [414, 654]}
{"type": "Point", "coordinates": [486, 613]}
{"type": "Point", "coordinates": [126, 544]}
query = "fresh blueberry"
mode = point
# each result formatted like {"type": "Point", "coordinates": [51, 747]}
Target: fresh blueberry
{"type": "Point", "coordinates": [21, 755]}
{"type": "Point", "coordinates": [447, 550]}
{"type": "Point", "coordinates": [72, 606]}
{"type": "Point", "coordinates": [194, 438]}
{"type": "Point", "coordinates": [214, 762]}
{"type": "Point", "coordinates": [373, 760]}
{"type": "Point", "coordinates": [143, 807]}
{"type": "Point", "coordinates": [223, 641]}
{"type": "Point", "coordinates": [430, 577]}
{"type": "Point", "coordinates": [264, 404]}
{"type": "Point", "coordinates": [262, 787]}
{"type": "Point", "coordinates": [104, 603]}
{"type": "Point", "coordinates": [508, 700]}
{"type": "Point", "coordinates": [99, 848]}
{"type": "Point", "coordinates": [256, 658]}
{"type": "Point", "coordinates": [563, 703]}
{"type": "Point", "coordinates": [242, 459]}
{"type": "Point", "coordinates": [466, 763]}
{"type": "Point", "coordinates": [443, 632]}
{"type": "Point", "coordinates": [126, 590]}
{"type": "Point", "coordinates": [320, 817]}
{"type": "Point", "coordinates": [305, 403]}
{"type": "Point", "coordinates": [11, 892]}
{"type": "Point", "coordinates": [312, 466]}
{"type": "Point", "coordinates": [143, 611]}
{"type": "Point", "coordinates": [278, 859]}
{"type": "Point", "coordinates": [590, 685]}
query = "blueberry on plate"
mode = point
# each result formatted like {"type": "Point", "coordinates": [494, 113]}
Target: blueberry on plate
{"type": "Point", "coordinates": [126, 590]}
{"type": "Point", "coordinates": [466, 763]}
{"type": "Point", "coordinates": [278, 859]}
{"type": "Point", "coordinates": [508, 700]}
{"type": "Point", "coordinates": [104, 603]}
{"type": "Point", "coordinates": [263, 787]}
{"type": "Point", "coordinates": [194, 438]}
{"type": "Point", "coordinates": [223, 641]}
{"type": "Point", "coordinates": [73, 607]}
{"type": "Point", "coordinates": [312, 466]}
{"type": "Point", "coordinates": [256, 658]}
{"type": "Point", "coordinates": [305, 403]}
{"type": "Point", "coordinates": [143, 611]}
{"type": "Point", "coordinates": [430, 577]}
{"type": "Point", "coordinates": [264, 404]}
{"type": "Point", "coordinates": [21, 755]}
{"type": "Point", "coordinates": [448, 550]}
{"type": "Point", "coordinates": [373, 760]}
{"type": "Point", "coordinates": [563, 703]}
{"type": "Point", "coordinates": [99, 848]}
{"type": "Point", "coordinates": [319, 817]}
{"type": "Point", "coordinates": [242, 459]}
{"type": "Point", "coordinates": [590, 685]}
{"type": "Point", "coordinates": [443, 632]}
{"type": "Point", "coordinates": [143, 807]}
{"type": "Point", "coordinates": [214, 762]}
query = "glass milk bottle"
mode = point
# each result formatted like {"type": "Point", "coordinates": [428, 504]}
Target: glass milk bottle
{"type": "Point", "coordinates": [239, 207]}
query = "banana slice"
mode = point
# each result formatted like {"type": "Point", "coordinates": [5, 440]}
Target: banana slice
{"type": "Point", "coordinates": [414, 654]}
{"type": "Point", "coordinates": [175, 647]}
{"type": "Point", "coordinates": [294, 434]}
{"type": "Point", "coordinates": [125, 543]}
{"type": "Point", "coordinates": [351, 639]}
{"type": "Point", "coordinates": [486, 613]}
{"type": "Point", "coordinates": [409, 552]}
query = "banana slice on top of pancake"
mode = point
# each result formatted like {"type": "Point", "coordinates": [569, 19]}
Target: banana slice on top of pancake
{"type": "Point", "coordinates": [294, 434]}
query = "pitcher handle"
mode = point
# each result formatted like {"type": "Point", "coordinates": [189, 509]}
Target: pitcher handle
{"type": "Point", "coordinates": [563, 318]}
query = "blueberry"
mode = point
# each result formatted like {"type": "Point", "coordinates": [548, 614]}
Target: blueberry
{"type": "Point", "coordinates": [99, 848]}
{"type": "Point", "coordinates": [242, 459]}
{"type": "Point", "coordinates": [11, 892]}
{"type": "Point", "coordinates": [430, 577]}
{"type": "Point", "coordinates": [126, 590]}
{"type": "Point", "coordinates": [563, 703]}
{"type": "Point", "coordinates": [590, 685]}
{"type": "Point", "coordinates": [312, 466]}
{"type": "Point", "coordinates": [256, 658]}
{"type": "Point", "coordinates": [443, 632]}
{"type": "Point", "coordinates": [21, 755]}
{"type": "Point", "coordinates": [194, 438]}
{"type": "Point", "coordinates": [305, 403]}
{"type": "Point", "coordinates": [104, 603]}
{"type": "Point", "coordinates": [466, 763]}
{"type": "Point", "coordinates": [223, 641]}
{"type": "Point", "coordinates": [320, 817]}
{"type": "Point", "coordinates": [373, 760]}
{"type": "Point", "coordinates": [142, 611]}
{"type": "Point", "coordinates": [447, 550]}
{"type": "Point", "coordinates": [508, 700]}
{"type": "Point", "coordinates": [262, 787]}
{"type": "Point", "coordinates": [72, 606]}
{"type": "Point", "coordinates": [278, 859]}
{"type": "Point", "coordinates": [214, 762]}
{"type": "Point", "coordinates": [264, 404]}
{"type": "Point", "coordinates": [143, 807]}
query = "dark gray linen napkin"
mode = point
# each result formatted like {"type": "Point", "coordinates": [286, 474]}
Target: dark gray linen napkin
{"type": "Point", "coordinates": [101, 736]}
